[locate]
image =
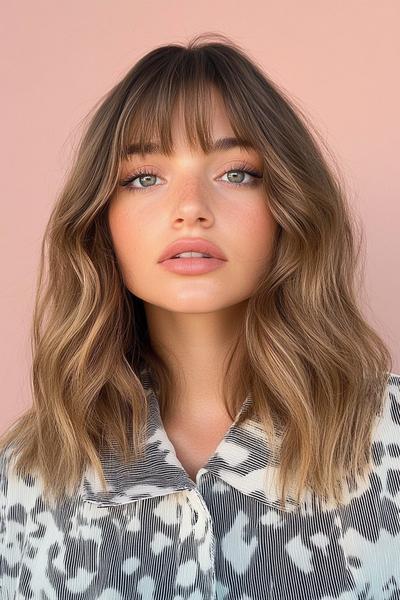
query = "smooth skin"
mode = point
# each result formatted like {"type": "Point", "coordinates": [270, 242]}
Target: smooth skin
{"type": "Point", "coordinates": [193, 319]}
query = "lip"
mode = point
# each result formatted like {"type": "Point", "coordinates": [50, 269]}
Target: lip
{"type": "Point", "coordinates": [192, 266]}
{"type": "Point", "coordinates": [194, 245]}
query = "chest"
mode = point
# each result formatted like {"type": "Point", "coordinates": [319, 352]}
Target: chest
{"type": "Point", "coordinates": [158, 547]}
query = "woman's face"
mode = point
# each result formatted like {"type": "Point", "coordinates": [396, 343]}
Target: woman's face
{"type": "Point", "coordinates": [192, 194]}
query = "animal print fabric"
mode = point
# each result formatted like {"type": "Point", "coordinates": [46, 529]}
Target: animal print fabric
{"type": "Point", "coordinates": [155, 534]}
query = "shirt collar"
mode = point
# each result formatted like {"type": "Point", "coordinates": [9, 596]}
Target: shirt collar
{"type": "Point", "coordinates": [242, 459]}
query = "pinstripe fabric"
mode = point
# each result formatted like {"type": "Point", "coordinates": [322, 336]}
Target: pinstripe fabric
{"type": "Point", "coordinates": [154, 534]}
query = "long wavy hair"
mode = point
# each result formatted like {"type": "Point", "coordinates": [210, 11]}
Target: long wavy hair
{"type": "Point", "coordinates": [315, 368]}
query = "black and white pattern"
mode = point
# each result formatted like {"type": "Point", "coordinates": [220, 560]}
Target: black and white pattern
{"type": "Point", "coordinates": [157, 535]}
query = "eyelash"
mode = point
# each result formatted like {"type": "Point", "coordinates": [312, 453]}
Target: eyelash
{"type": "Point", "coordinates": [149, 171]}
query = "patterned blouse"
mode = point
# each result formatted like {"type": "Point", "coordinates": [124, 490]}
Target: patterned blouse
{"type": "Point", "coordinates": [157, 535]}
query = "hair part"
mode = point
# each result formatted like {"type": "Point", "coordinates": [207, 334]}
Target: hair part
{"type": "Point", "coordinates": [316, 369]}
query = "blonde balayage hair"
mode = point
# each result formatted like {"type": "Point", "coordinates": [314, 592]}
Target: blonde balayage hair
{"type": "Point", "coordinates": [315, 368]}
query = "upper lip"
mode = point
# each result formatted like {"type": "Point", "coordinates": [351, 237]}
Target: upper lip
{"type": "Point", "coordinates": [194, 245]}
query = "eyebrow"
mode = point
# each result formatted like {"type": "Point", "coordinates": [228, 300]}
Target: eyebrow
{"type": "Point", "coordinates": [225, 143]}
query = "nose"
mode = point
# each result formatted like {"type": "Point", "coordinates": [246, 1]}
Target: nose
{"type": "Point", "coordinates": [192, 199]}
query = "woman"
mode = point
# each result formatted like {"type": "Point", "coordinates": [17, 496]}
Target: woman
{"type": "Point", "coordinates": [219, 426]}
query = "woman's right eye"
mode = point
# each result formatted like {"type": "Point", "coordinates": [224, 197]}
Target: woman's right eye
{"type": "Point", "coordinates": [146, 177]}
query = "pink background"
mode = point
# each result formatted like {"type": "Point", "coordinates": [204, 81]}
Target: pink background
{"type": "Point", "coordinates": [338, 60]}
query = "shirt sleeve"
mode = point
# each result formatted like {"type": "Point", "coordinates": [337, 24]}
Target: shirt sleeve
{"type": "Point", "coordinates": [3, 508]}
{"type": "Point", "coordinates": [3, 521]}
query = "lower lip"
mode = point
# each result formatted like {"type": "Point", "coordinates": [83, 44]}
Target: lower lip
{"type": "Point", "coordinates": [192, 266]}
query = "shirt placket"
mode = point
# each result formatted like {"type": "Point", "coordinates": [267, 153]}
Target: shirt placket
{"type": "Point", "coordinates": [203, 534]}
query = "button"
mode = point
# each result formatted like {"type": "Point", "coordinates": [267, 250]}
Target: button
{"type": "Point", "coordinates": [195, 516]}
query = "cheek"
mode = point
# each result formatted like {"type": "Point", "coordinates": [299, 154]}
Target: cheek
{"type": "Point", "coordinates": [129, 240]}
{"type": "Point", "coordinates": [254, 229]}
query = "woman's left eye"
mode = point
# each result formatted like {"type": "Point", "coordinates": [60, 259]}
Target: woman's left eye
{"type": "Point", "coordinates": [237, 172]}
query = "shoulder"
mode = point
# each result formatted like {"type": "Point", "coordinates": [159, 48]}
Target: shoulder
{"type": "Point", "coordinates": [15, 489]}
{"type": "Point", "coordinates": [386, 435]}
{"type": "Point", "coordinates": [393, 392]}
{"type": "Point", "coordinates": [5, 459]}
